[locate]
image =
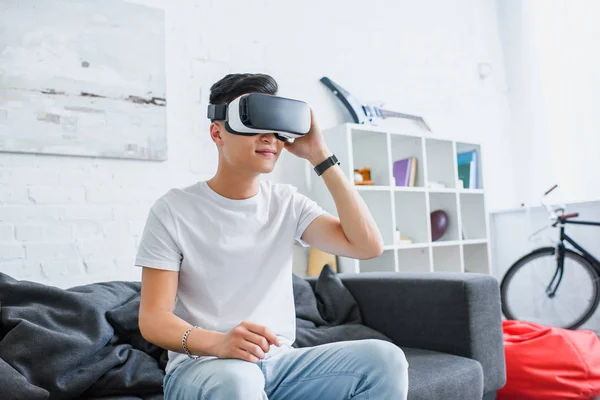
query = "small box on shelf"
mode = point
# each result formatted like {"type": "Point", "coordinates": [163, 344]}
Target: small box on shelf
{"type": "Point", "coordinates": [362, 176]}
{"type": "Point", "coordinates": [370, 151]}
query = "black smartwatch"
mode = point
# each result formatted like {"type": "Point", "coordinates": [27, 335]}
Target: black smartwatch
{"type": "Point", "coordinates": [329, 162]}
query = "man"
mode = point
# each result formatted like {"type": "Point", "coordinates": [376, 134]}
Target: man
{"type": "Point", "coordinates": [217, 275]}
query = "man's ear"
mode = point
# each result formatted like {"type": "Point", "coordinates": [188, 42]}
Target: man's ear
{"type": "Point", "coordinates": [216, 132]}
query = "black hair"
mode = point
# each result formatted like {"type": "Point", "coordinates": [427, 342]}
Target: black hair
{"type": "Point", "coordinates": [232, 86]}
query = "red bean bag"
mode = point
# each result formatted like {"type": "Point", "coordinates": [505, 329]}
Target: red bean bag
{"type": "Point", "coordinates": [543, 362]}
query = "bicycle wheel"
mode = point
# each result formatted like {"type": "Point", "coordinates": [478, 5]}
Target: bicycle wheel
{"type": "Point", "coordinates": [523, 289]}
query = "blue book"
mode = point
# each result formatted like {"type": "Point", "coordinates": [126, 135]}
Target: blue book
{"type": "Point", "coordinates": [467, 168]}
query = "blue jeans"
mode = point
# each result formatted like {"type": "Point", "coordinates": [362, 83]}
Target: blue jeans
{"type": "Point", "coordinates": [361, 369]}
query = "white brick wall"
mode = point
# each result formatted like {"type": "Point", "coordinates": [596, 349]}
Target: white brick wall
{"type": "Point", "coordinates": [7, 233]}
{"type": "Point", "coordinates": [72, 220]}
{"type": "Point", "coordinates": [29, 232]}
{"type": "Point", "coordinates": [12, 251]}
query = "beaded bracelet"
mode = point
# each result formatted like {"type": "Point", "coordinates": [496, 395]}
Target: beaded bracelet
{"type": "Point", "coordinates": [184, 343]}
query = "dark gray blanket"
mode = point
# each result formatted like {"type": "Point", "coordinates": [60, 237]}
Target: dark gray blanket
{"type": "Point", "coordinates": [84, 342]}
{"type": "Point", "coordinates": [80, 342]}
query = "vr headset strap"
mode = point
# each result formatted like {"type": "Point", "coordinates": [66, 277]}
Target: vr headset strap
{"type": "Point", "coordinates": [217, 112]}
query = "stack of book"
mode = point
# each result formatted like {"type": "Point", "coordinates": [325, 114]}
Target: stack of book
{"type": "Point", "coordinates": [405, 171]}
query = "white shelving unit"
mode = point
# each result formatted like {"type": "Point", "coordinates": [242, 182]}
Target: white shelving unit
{"type": "Point", "coordinates": [464, 247]}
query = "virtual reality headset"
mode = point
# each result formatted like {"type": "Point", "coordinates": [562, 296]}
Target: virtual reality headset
{"type": "Point", "coordinates": [258, 113]}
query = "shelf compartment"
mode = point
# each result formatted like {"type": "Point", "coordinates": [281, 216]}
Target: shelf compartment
{"type": "Point", "coordinates": [446, 259]}
{"type": "Point", "coordinates": [370, 150]}
{"type": "Point", "coordinates": [411, 216]}
{"type": "Point", "coordinates": [440, 162]}
{"type": "Point", "coordinates": [414, 260]}
{"type": "Point", "coordinates": [379, 204]}
{"type": "Point", "coordinates": [404, 147]}
{"type": "Point", "coordinates": [476, 258]}
{"type": "Point", "coordinates": [472, 210]}
{"type": "Point", "coordinates": [447, 203]}
{"type": "Point", "coordinates": [464, 170]}
{"type": "Point", "coordinates": [384, 263]}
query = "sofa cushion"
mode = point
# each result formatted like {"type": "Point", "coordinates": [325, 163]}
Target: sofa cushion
{"type": "Point", "coordinates": [328, 312]}
{"type": "Point", "coordinates": [434, 375]}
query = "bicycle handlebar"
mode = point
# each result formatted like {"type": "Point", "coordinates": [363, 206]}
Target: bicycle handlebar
{"type": "Point", "coordinates": [552, 211]}
{"type": "Point", "coordinates": [567, 216]}
{"type": "Point", "coordinates": [551, 189]}
{"type": "Point", "coordinates": [546, 206]}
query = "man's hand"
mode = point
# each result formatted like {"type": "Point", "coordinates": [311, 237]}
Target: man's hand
{"type": "Point", "coordinates": [311, 146]}
{"type": "Point", "coordinates": [247, 341]}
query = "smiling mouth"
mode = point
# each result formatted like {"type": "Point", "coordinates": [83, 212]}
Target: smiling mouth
{"type": "Point", "coordinates": [266, 153]}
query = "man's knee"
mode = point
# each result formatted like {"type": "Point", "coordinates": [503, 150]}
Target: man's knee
{"type": "Point", "coordinates": [388, 367]}
{"type": "Point", "coordinates": [383, 364]}
{"type": "Point", "coordinates": [236, 379]}
{"type": "Point", "coordinates": [222, 379]}
{"type": "Point", "coordinates": [383, 357]}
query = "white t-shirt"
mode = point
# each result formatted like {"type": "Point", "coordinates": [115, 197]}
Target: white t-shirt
{"type": "Point", "coordinates": [234, 257]}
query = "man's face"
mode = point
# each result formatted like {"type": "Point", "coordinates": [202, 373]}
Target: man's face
{"type": "Point", "coordinates": [256, 154]}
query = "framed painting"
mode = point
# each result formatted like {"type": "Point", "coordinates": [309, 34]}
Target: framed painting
{"type": "Point", "coordinates": [83, 78]}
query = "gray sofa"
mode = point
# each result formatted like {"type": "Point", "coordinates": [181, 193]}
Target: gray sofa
{"type": "Point", "coordinates": [84, 342]}
{"type": "Point", "coordinates": [448, 324]}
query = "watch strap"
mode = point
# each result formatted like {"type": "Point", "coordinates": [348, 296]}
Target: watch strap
{"type": "Point", "coordinates": [329, 162]}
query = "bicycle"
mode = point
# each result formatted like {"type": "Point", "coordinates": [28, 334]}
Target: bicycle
{"type": "Point", "coordinates": [576, 269]}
